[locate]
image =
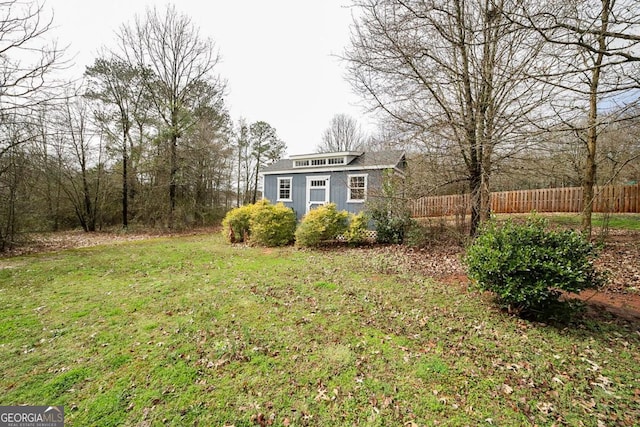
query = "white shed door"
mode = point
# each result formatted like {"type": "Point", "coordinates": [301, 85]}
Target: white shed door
{"type": "Point", "coordinates": [317, 191]}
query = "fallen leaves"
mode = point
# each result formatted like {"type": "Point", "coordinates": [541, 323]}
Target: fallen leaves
{"type": "Point", "coordinates": [366, 339]}
{"type": "Point", "coordinates": [604, 383]}
{"type": "Point", "coordinates": [620, 256]}
{"type": "Point", "coordinates": [545, 407]}
{"type": "Point", "coordinates": [507, 389]}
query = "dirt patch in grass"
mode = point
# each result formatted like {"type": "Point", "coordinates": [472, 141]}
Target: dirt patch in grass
{"type": "Point", "coordinates": [626, 306]}
{"type": "Point", "coordinates": [57, 241]}
{"type": "Point", "coordinates": [620, 256]}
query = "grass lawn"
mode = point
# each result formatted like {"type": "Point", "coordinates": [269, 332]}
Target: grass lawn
{"type": "Point", "coordinates": [617, 221]}
{"type": "Point", "coordinates": [192, 331]}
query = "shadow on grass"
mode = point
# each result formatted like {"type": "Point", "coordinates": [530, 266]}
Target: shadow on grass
{"type": "Point", "coordinates": [585, 319]}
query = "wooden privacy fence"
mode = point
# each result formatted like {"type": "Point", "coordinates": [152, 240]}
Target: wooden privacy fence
{"type": "Point", "coordinates": [611, 199]}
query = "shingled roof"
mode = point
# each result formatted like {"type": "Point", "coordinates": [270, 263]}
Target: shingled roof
{"type": "Point", "coordinates": [387, 159]}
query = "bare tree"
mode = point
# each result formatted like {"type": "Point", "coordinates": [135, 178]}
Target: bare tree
{"type": "Point", "coordinates": [205, 157]}
{"type": "Point", "coordinates": [595, 62]}
{"type": "Point", "coordinates": [83, 164]}
{"type": "Point", "coordinates": [242, 144]}
{"type": "Point", "coordinates": [13, 165]}
{"type": "Point", "coordinates": [27, 60]}
{"type": "Point", "coordinates": [619, 152]}
{"type": "Point", "coordinates": [26, 57]}
{"type": "Point", "coordinates": [47, 158]}
{"type": "Point", "coordinates": [343, 134]}
{"type": "Point", "coordinates": [451, 71]}
{"type": "Point", "coordinates": [180, 61]}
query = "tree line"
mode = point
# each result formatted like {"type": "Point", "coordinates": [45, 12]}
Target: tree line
{"type": "Point", "coordinates": [144, 137]}
{"type": "Point", "coordinates": [479, 85]}
{"type": "Point", "coordinates": [485, 94]}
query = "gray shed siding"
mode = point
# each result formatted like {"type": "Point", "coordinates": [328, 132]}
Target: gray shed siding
{"type": "Point", "coordinates": [338, 188]}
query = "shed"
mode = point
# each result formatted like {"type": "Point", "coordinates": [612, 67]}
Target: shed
{"type": "Point", "coordinates": [346, 178]}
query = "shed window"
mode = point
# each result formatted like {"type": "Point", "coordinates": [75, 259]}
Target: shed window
{"type": "Point", "coordinates": [357, 188]}
{"type": "Point", "coordinates": [284, 189]}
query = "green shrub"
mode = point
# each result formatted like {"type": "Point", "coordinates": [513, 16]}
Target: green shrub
{"type": "Point", "coordinates": [272, 225]}
{"type": "Point", "coordinates": [528, 266]}
{"type": "Point", "coordinates": [391, 222]}
{"type": "Point", "coordinates": [356, 234]}
{"type": "Point", "coordinates": [321, 224]}
{"type": "Point", "coordinates": [236, 224]}
{"type": "Point", "coordinates": [389, 213]}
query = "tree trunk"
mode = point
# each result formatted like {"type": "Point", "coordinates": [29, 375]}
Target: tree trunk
{"type": "Point", "coordinates": [239, 167]}
{"type": "Point", "coordinates": [255, 184]}
{"type": "Point", "coordinates": [592, 123]}
{"type": "Point", "coordinates": [590, 164]}
{"type": "Point", "coordinates": [173, 166]}
{"type": "Point", "coordinates": [90, 224]}
{"type": "Point", "coordinates": [7, 236]}
{"type": "Point", "coordinates": [475, 182]}
{"type": "Point", "coordinates": [125, 182]}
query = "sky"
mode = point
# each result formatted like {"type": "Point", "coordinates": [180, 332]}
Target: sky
{"type": "Point", "coordinates": [278, 56]}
